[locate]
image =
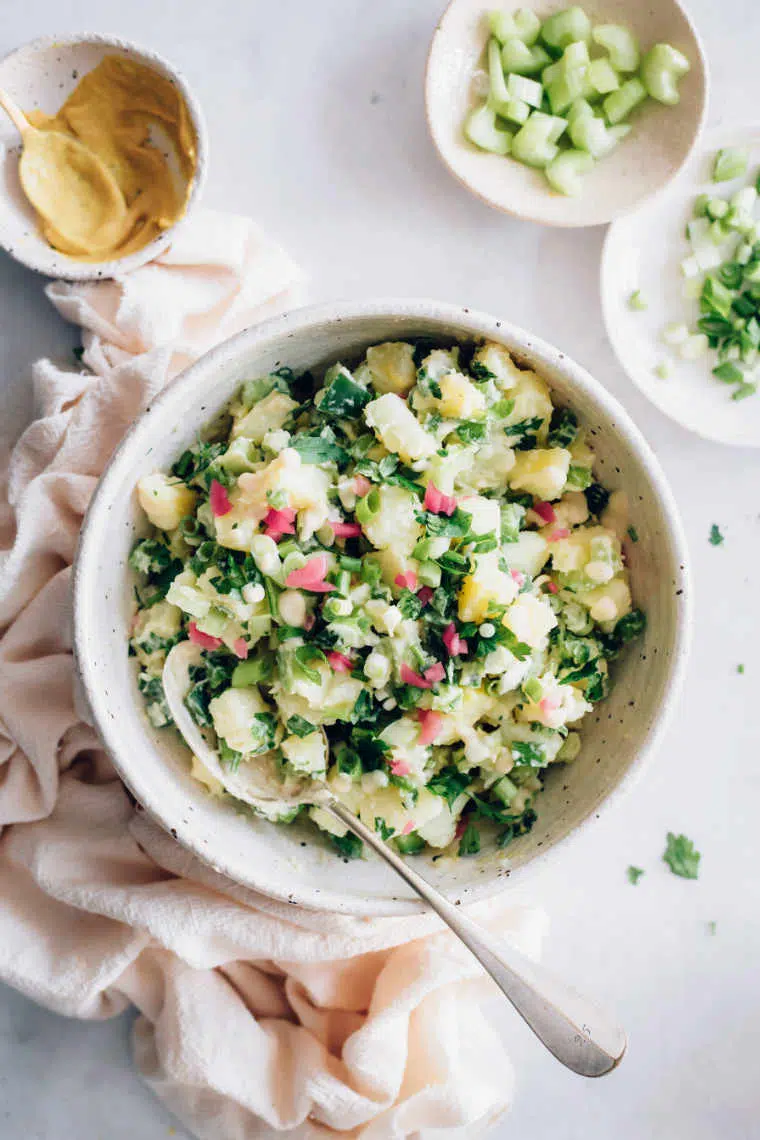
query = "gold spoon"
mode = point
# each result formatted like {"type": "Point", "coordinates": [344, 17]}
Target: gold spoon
{"type": "Point", "coordinates": [70, 187]}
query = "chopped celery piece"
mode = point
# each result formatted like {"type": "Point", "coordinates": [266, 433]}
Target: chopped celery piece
{"type": "Point", "coordinates": [499, 93]}
{"type": "Point", "coordinates": [620, 43]}
{"type": "Point", "coordinates": [565, 89]}
{"type": "Point", "coordinates": [522, 24]}
{"type": "Point", "coordinates": [693, 347]}
{"type": "Point", "coordinates": [637, 302]}
{"type": "Point", "coordinates": [602, 76]}
{"type": "Point", "coordinates": [535, 143]}
{"type": "Point", "coordinates": [575, 56]}
{"type": "Point", "coordinates": [619, 104]}
{"type": "Point", "coordinates": [519, 59]}
{"type": "Point", "coordinates": [593, 135]}
{"type": "Point", "coordinates": [578, 108]}
{"type": "Point", "coordinates": [516, 111]}
{"type": "Point", "coordinates": [731, 162]}
{"type": "Point", "coordinates": [663, 370]}
{"type": "Point", "coordinates": [675, 333]}
{"type": "Point", "coordinates": [530, 92]}
{"type": "Point", "coordinates": [566, 27]}
{"type": "Point", "coordinates": [564, 173]}
{"type": "Point", "coordinates": [481, 130]}
{"type": "Point", "coordinates": [661, 68]}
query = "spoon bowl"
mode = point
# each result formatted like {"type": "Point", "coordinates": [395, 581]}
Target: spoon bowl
{"type": "Point", "coordinates": [643, 164]}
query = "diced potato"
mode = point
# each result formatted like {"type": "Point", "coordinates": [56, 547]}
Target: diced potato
{"type": "Point", "coordinates": [306, 754]}
{"type": "Point", "coordinates": [394, 561]}
{"type": "Point", "coordinates": [608, 603]}
{"type": "Point", "coordinates": [162, 619]}
{"type": "Point", "coordinates": [487, 584]}
{"type": "Point", "coordinates": [165, 501]}
{"type": "Point", "coordinates": [233, 713]}
{"type": "Point", "coordinates": [559, 705]}
{"type": "Point", "coordinates": [395, 524]}
{"type": "Point", "coordinates": [392, 367]}
{"type": "Point", "coordinates": [500, 364]}
{"type": "Point", "coordinates": [490, 464]}
{"type": "Point", "coordinates": [267, 415]}
{"type": "Point", "coordinates": [530, 620]}
{"type": "Point", "coordinates": [532, 398]}
{"type": "Point", "coordinates": [529, 554]}
{"type": "Point", "coordinates": [398, 428]}
{"type": "Point", "coordinates": [201, 773]}
{"type": "Point", "coordinates": [486, 516]}
{"type": "Point", "coordinates": [542, 472]}
{"type": "Point", "coordinates": [460, 399]}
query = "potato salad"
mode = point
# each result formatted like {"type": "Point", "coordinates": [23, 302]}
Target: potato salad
{"type": "Point", "coordinates": [403, 580]}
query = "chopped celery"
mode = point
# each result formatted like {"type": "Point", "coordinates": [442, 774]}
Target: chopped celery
{"type": "Point", "coordinates": [731, 162]}
{"type": "Point", "coordinates": [575, 56]}
{"type": "Point", "coordinates": [480, 128]}
{"type": "Point", "coordinates": [577, 108]}
{"type": "Point", "coordinates": [519, 59]}
{"type": "Point", "coordinates": [661, 68]}
{"type": "Point", "coordinates": [499, 94]}
{"type": "Point", "coordinates": [535, 143]}
{"type": "Point", "coordinates": [675, 333]}
{"type": "Point", "coordinates": [619, 104]}
{"type": "Point", "coordinates": [522, 24]}
{"type": "Point", "coordinates": [693, 347]}
{"type": "Point", "coordinates": [620, 43]}
{"type": "Point", "coordinates": [565, 89]}
{"type": "Point", "coordinates": [527, 90]}
{"type": "Point", "coordinates": [565, 172]}
{"type": "Point", "coordinates": [637, 302]}
{"type": "Point", "coordinates": [602, 76]}
{"type": "Point", "coordinates": [566, 27]}
{"type": "Point", "coordinates": [516, 111]}
{"type": "Point", "coordinates": [592, 134]}
{"type": "Point", "coordinates": [663, 370]}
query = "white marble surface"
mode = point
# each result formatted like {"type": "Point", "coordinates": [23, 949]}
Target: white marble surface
{"type": "Point", "coordinates": [317, 130]}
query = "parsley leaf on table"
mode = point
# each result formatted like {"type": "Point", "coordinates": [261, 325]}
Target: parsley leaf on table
{"type": "Point", "coordinates": [681, 856]}
{"type": "Point", "coordinates": [716, 538]}
{"type": "Point", "coordinates": [634, 874]}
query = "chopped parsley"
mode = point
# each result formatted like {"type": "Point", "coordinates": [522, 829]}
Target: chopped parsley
{"type": "Point", "coordinates": [469, 844]}
{"type": "Point", "coordinates": [681, 856]}
{"type": "Point", "coordinates": [634, 874]}
{"type": "Point", "coordinates": [716, 538]}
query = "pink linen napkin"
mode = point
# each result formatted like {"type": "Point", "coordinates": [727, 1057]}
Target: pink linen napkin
{"type": "Point", "coordinates": [255, 1019]}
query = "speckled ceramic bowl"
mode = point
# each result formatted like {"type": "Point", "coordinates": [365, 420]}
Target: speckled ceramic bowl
{"type": "Point", "coordinates": [289, 863]}
{"type": "Point", "coordinates": [42, 74]}
{"type": "Point", "coordinates": [659, 144]}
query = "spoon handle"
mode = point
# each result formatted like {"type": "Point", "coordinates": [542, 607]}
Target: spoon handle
{"type": "Point", "coordinates": [14, 112]}
{"type": "Point", "coordinates": [579, 1035]}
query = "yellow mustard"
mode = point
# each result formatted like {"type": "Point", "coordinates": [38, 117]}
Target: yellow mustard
{"type": "Point", "coordinates": [127, 193]}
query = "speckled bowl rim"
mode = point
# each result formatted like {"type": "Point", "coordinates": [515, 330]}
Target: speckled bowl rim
{"type": "Point", "coordinates": [60, 266]}
{"type": "Point", "coordinates": [467, 322]}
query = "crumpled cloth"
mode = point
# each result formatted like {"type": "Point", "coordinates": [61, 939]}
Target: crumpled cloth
{"type": "Point", "coordinates": [255, 1019]}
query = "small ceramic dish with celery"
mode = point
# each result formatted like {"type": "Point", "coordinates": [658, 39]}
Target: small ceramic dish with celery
{"type": "Point", "coordinates": [563, 115]}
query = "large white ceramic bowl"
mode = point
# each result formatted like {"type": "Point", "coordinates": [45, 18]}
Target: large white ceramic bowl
{"type": "Point", "coordinates": [285, 862]}
{"type": "Point", "coordinates": [41, 75]}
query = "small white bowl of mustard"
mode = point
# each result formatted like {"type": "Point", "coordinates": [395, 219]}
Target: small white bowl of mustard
{"type": "Point", "coordinates": [136, 112]}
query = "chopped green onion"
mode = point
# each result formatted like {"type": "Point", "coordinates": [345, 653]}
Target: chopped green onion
{"type": "Point", "coordinates": [663, 370]}
{"type": "Point", "coordinates": [637, 301]}
{"type": "Point", "coordinates": [744, 389]}
{"type": "Point", "coordinates": [675, 333]}
{"type": "Point", "coordinates": [693, 347]}
{"type": "Point", "coordinates": [730, 162]}
{"type": "Point", "coordinates": [728, 373]}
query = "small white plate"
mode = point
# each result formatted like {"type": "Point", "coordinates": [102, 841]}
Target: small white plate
{"type": "Point", "coordinates": [660, 142]}
{"type": "Point", "coordinates": [644, 251]}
